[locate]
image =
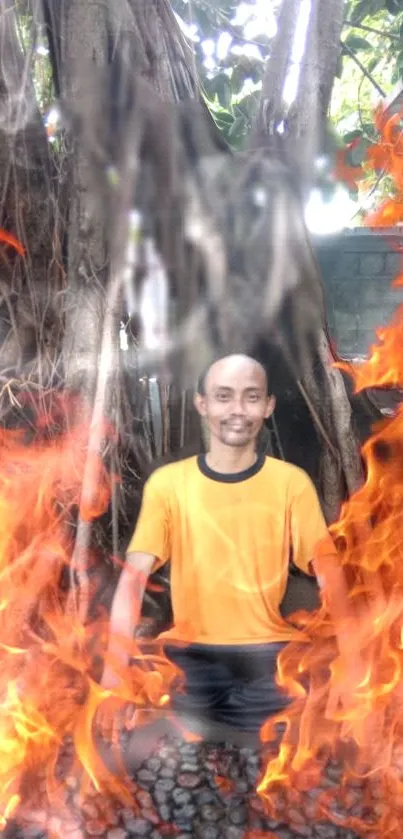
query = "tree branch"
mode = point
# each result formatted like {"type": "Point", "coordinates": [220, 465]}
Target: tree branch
{"type": "Point", "coordinates": [363, 69]}
{"type": "Point", "coordinates": [392, 35]}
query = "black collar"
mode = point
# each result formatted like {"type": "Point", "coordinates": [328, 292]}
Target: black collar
{"type": "Point", "coordinates": [231, 477]}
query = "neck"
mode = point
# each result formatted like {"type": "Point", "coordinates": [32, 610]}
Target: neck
{"type": "Point", "coordinates": [229, 459]}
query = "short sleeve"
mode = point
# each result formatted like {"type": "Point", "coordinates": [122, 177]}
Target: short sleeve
{"type": "Point", "coordinates": [152, 534]}
{"type": "Point", "coordinates": [309, 534]}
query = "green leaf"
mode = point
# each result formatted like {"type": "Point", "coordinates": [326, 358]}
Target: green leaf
{"type": "Point", "coordinates": [224, 119]}
{"type": "Point", "coordinates": [238, 127]}
{"type": "Point", "coordinates": [224, 90]}
{"type": "Point", "coordinates": [238, 78]}
{"type": "Point", "coordinates": [373, 63]}
{"type": "Point", "coordinates": [340, 66]}
{"type": "Point", "coordinates": [204, 22]}
{"type": "Point", "coordinates": [393, 6]}
{"type": "Point", "coordinates": [358, 153]}
{"type": "Point", "coordinates": [352, 135]}
{"type": "Point", "coordinates": [248, 104]}
{"type": "Point", "coordinates": [355, 43]}
{"type": "Point", "coordinates": [365, 8]}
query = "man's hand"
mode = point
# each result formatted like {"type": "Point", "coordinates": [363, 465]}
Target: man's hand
{"type": "Point", "coordinates": [114, 716]}
{"type": "Point", "coordinates": [115, 713]}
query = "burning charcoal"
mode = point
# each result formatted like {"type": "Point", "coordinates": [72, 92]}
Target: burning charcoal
{"type": "Point", "coordinates": [164, 812]}
{"type": "Point", "coordinates": [139, 827]}
{"type": "Point", "coordinates": [205, 796]}
{"type": "Point", "coordinates": [183, 816]}
{"type": "Point", "coordinates": [167, 772]}
{"type": "Point", "coordinates": [301, 830]}
{"type": "Point", "coordinates": [257, 825]}
{"type": "Point", "coordinates": [272, 824]}
{"type": "Point", "coordinates": [160, 798]}
{"type": "Point", "coordinates": [326, 831]}
{"type": "Point", "coordinates": [154, 764]}
{"type": "Point", "coordinates": [150, 816]}
{"type": "Point", "coordinates": [310, 810]}
{"type": "Point", "coordinates": [165, 785]}
{"type": "Point", "coordinates": [232, 832]}
{"type": "Point", "coordinates": [181, 796]}
{"type": "Point", "coordinates": [252, 774]}
{"type": "Point", "coordinates": [211, 812]}
{"type": "Point", "coordinates": [242, 786]}
{"type": "Point", "coordinates": [146, 778]}
{"type": "Point", "coordinates": [171, 763]}
{"type": "Point", "coordinates": [188, 750]}
{"type": "Point", "coordinates": [207, 831]}
{"type": "Point", "coordinates": [71, 826]}
{"type": "Point", "coordinates": [189, 780]}
{"type": "Point", "coordinates": [295, 816]}
{"type": "Point", "coordinates": [144, 799]}
{"type": "Point", "coordinates": [95, 828]}
{"type": "Point", "coordinates": [256, 804]}
{"type": "Point", "coordinates": [190, 766]}
{"type": "Point", "coordinates": [238, 814]}
{"type": "Point", "coordinates": [90, 809]}
{"type": "Point", "coordinates": [116, 833]}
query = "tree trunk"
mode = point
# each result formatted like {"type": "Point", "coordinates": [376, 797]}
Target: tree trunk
{"type": "Point", "coordinates": [307, 118]}
{"type": "Point", "coordinates": [303, 123]}
{"type": "Point", "coordinates": [27, 212]}
{"type": "Point", "coordinates": [320, 384]}
{"type": "Point", "coordinates": [84, 60]}
{"type": "Point", "coordinates": [272, 110]}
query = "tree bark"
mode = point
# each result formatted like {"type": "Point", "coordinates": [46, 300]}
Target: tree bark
{"type": "Point", "coordinates": [84, 60]}
{"type": "Point", "coordinates": [146, 40]}
{"type": "Point", "coordinates": [27, 211]}
{"type": "Point", "coordinates": [272, 110]}
{"type": "Point", "coordinates": [304, 125]}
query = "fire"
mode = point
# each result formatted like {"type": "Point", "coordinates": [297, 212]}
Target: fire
{"type": "Point", "coordinates": [49, 694]}
{"type": "Point", "coordinates": [346, 677]}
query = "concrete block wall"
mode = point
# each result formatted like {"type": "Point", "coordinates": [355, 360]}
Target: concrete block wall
{"type": "Point", "coordinates": [358, 267]}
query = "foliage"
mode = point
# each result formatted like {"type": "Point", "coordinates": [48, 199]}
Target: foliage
{"type": "Point", "coordinates": [232, 44]}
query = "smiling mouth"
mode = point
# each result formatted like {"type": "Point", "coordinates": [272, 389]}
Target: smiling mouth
{"type": "Point", "coordinates": [236, 427]}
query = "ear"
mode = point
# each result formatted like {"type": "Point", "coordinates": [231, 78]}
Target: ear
{"type": "Point", "coordinates": [199, 402]}
{"type": "Point", "coordinates": [271, 404]}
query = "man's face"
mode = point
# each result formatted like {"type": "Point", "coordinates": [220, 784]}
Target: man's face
{"type": "Point", "coordinates": [236, 402]}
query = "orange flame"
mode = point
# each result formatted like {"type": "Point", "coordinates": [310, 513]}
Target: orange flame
{"type": "Point", "coordinates": [346, 676]}
{"type": "Point", "coordinates": [47, 687]}
{"type": "Point", "coordinates": [9, 239]}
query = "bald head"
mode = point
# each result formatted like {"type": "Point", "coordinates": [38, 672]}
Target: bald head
{"type": "Point", "coordinates": [237, 365]}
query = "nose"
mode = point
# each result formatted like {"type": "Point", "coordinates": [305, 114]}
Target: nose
{"type": "Point", "coordinates": [237, 410]}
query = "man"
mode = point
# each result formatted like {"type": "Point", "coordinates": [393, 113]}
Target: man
{"type": "Point", "coordinates": [229, 522]}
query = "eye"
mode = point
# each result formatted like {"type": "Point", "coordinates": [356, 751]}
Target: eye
{"type": "Point", "coordinates": [223, 397]}
{"type": "Point", "coordinates": [253, 397]}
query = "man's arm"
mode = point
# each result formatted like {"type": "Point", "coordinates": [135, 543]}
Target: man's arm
{"type": "Point", "coordinates": [315, 552]}
{"type": "Point", "coordinates": [125, 613]}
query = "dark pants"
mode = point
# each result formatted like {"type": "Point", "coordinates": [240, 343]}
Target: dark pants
{"type": "Point", "coordinates": [234, 685]}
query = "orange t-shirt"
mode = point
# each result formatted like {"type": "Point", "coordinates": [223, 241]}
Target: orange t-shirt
{"type": "Point", "coordinates": [229, 539]}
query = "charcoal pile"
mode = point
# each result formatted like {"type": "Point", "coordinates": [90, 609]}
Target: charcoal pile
{"type": "Point", "coordinates": [188, 790]}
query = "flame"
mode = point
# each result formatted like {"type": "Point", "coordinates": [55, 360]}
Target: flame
{"type": "Point", "coordinates": [346, 676]}
{"type": "Point", "coordinates": [10, 239]}
{"type": "Point", "coordinates": [48, 691]}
